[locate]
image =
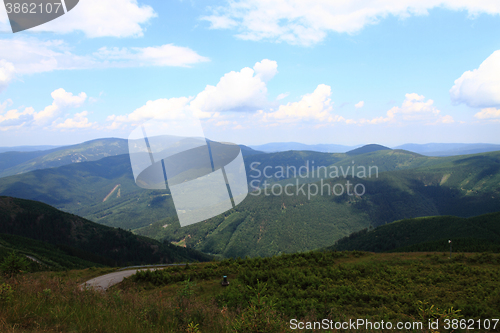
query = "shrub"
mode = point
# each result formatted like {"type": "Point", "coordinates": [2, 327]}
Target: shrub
{"type": "Point", "coordinates": [5, 292]}
{"type": "Point", "coordinates": [14, 264]}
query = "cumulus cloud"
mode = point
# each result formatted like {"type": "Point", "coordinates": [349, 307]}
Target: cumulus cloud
{"type": "Point", "coordinates": [359, 105]}
{"type": "Point", "coordinates": [79, 120]}
{"type": "Point", "coordinates": [163, 109]}
{"type": "Point", "coordinates": [62, 101]}
{"type": "Point", "coordinates": [30, 55]}
{"type": "Point", "coordinates": [307, 22]}
{"type": "Point", "coordinates": [245, 90]}
{"type": "Point", "coordinates": [488, 113]}
{"type": "Point", "coordinates": [414, 108]}
{"type": "Point", "coordinates": [266, 69]}
{"type": "Point", "coordinates": [14, 119]}
{"type": "Point", "coordinates": [97, 18]}
{"type": "Point", "coordinates": [7, 72]}
{"type": "Point", "coordinates": [314, 106]}
{"type": "Point", "coordinates": [479, 87]}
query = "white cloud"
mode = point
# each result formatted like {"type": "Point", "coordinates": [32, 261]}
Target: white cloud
{"type": "Point", "coordinates": [62, 101]}
{"type": "Point", "coordinates": [238, 91]}
{"type": "Point", "coordinates": [97, 18]}
{"type": "Point", "coordinates": [30, 55]}
{"type": "Point", "coordinates": [164, 55]}
{"type": "Point", "coordinates": [488, 113]}
{"type": "Point", "coordinates": [315, 106]}
{"type": "Point", "coordinates": [307, 22]}
{"type": "Point", "coordinates": [414, 108]}
{"type": "Point", "coordinates": [79, 120]}
{"type": "Point", "coordinates": [479, 87]}
{"type": "Point", "coordinates": [7, 72]}
{"type": "Point", "coordinates": [163, 109]}
{"type": "Point", "coordinates": [223, 123]}
{"type": "Point", "coordinates": [281, 96]}
{"type": "Point", "coordinates": [5, 105]}
{"type": "Point", "coordinates": [359, 105]}
{"type": "Point", "coordinates": [445, 120]}
{"type": "Point", "coordinates": [14, 119]}
{"type": "Point", "coordinates": [266, 69]}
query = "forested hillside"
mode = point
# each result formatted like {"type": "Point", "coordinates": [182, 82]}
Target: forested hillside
{"type": "Point", "coordinates": [87, 240]}
{"type": "Point", "coordinates": [402, 185]}
{"type": "Point", "coordinates": [269, 224]}
{"type": "Point", "coordinates": [474, 234]}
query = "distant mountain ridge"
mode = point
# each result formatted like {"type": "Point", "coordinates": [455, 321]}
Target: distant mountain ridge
{"type": "Point", "coordinates": [27, 148]}
{"type": "Point", "coordinates": [449, 149]}
{"type": "Point", "coordinates": [16, 162]}
{"type": "Point", "coordinates": [428, 149]}
{"type": "Point", "coordinates": [21, 162]}
{"type": "Point", "coordinates": [285, 146]}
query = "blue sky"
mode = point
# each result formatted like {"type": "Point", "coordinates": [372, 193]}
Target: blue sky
{"type": "Point", "coordinates": [316, 71]}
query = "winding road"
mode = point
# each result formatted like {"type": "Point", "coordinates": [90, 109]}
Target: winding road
{"type": "Point", "coordinates": [103, 282]}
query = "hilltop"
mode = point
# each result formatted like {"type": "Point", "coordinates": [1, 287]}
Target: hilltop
{"type": "Point", "coordinates": [366, 149]}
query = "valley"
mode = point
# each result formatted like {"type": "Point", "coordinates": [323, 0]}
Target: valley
{"type": "Point", "coordinates": [399, 185]}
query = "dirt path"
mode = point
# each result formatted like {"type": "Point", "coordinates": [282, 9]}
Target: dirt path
{"type": "Point", "coordinates": [109, 194]}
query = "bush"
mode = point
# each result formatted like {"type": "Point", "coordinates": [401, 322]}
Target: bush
{"type": "Point", "coordinates": [5, 292]}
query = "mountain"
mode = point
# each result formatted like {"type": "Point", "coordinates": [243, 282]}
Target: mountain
{"type": "Point", "coordinates": [16, 162]}
{"type": "Point", "coordinates": [474, 234]}
{"type": "Point", "coordinates": [449, 149]}
{"type": "Point", "coordinates": [267, 223]}
{"type": "Point", "coordinates": [403, 185]}
{"type": "Point", "coordinates": [27, 148]}
{"type": "Point", "coordinates": [104, 191]}
{"type": "Point", "coordinates": [82, 238]}
{"type": "Point", "coordinates": [247, 151]}
{"type": "Point", "coordinates": [22, 162]}
{"type": "Point", "coordinates": [366, 149]}
{"type": "Point", "coordinates": [285, 146]}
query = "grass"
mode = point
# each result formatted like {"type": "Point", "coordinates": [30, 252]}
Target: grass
{"type": "Point", "coordinates": [389, 286]}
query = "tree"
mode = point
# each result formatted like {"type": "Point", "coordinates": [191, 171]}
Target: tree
{"type": "Point", "coordinates": [14, 264]}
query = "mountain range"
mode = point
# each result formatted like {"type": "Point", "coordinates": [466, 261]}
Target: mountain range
{"type": "Point", "coordinates": [428, 149]}
{"type": "Point", "coordinates": [405, 185]}
{"type": "Point", "coordinates": [449, 149]}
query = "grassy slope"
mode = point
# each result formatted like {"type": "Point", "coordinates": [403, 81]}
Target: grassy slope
{"type": "Point", "coordinates": [308, 287]}
{"type": "Point", "coordinates": [51, 256]}
{"type": "Point", "coordinates": [83, 238]}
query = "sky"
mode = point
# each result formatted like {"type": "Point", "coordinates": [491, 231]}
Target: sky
{"type": "Point", "coordinates": [313, 71]}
